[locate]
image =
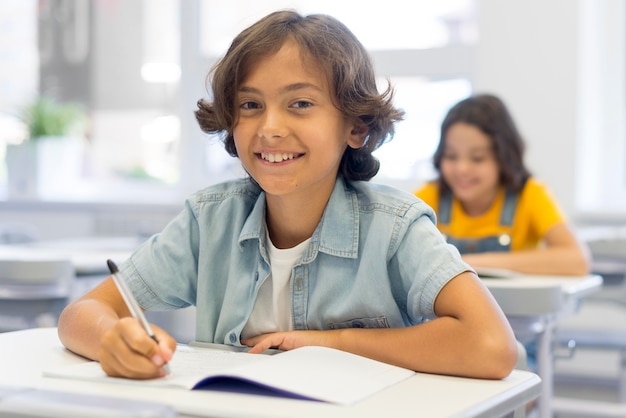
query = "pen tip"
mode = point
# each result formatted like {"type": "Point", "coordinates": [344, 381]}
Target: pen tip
{"type": "Point", "coordinates": [112, 266]}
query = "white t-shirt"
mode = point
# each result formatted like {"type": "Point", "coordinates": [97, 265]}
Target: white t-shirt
{"type": "Point", "coordinates": [272, 308]}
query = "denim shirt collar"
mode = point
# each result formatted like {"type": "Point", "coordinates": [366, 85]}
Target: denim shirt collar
{"type": "Point", "coordinates": [337, 233]}
{"type": "Point", "coordinates": [339, 228]}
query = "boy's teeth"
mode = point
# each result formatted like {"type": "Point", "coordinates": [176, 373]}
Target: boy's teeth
{"type": "Point", "coordinates": [276, 158]}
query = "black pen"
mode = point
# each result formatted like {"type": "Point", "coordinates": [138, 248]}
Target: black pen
{"type": "Point", "coordinates": [132, 304]}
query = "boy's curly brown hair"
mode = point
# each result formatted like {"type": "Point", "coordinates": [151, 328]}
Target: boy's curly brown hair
{"type": "Point", "coordinates": [349, 69]}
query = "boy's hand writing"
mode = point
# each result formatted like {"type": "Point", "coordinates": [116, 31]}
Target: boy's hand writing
{"type": "Point", "coordinates": [128, 351]}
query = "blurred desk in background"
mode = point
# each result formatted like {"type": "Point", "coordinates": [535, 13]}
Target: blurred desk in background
{"type": "Point", "coordinates": [38, 279]}
{"type": "Point", "coordinates": [534, 304]}
{"type": "Point", "coordinates": [87, 257]}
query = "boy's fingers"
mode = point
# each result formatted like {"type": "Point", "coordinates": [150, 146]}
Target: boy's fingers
{"type": "Point", "coordinates": [127, 350]}
{"type": "Point", "coordinates": [165, 350]}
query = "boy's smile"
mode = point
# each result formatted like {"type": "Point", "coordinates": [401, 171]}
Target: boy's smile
{"type": "Point", "coordinates": [278, 157]}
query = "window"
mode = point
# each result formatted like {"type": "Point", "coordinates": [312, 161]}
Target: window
{"type": "Point", "coordinates": [407, 159]}
{"type": "Point", "coordinates": [601, 174]}
{"type": "Point", "coordinates": [140, 72]}
{"type": "Point", "coordinates": [422, 24]}
{"type": "Point", "coordinates": [18, 72]}
{"type": "Point", "coordinates": [427, 55]}
{"type": "Point", "coordinates": [120, 60]}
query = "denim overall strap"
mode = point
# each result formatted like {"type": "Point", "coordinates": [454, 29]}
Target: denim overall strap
{"type": "Point", "coordinates": [508, 209]}
{"type": "Point", "coordinates": [501, 242]}
{"type": "Point", "coordinates": [444, 208]}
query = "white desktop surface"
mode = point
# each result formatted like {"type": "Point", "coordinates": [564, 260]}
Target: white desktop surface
{"type": "Point", "coordinates": [570, 286]}
{"type": "Point", "coordinates": [25, 354]}
{"type": "Point", "coordinates": [534, 305]}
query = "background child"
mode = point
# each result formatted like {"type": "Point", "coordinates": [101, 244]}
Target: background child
{"type": "Point", "coordinates": [304, 252]}
{"type": "Point", "coordinates": [487, 202]}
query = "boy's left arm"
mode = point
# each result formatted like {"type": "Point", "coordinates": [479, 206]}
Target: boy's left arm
{"type": "Point", "coordinates": [470, 337]}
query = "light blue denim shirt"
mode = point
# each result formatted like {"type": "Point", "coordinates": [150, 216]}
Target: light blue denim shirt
{"type": "Point", "coordinates": [375, 260]}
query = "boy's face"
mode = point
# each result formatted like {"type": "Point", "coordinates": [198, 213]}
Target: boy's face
{"type": "Point", "coordinates": [290, 137]}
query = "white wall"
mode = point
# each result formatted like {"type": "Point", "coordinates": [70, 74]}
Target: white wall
{"type": "Point", "coordinates": [559, 66]}
{"type": "Point", "coordinates": [601, 180]}
{"type": "Point", "coordinates": [527, 55]}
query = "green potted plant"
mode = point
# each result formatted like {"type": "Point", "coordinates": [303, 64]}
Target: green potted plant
{"type": "Point", "coordinates": [46, 117]}
{"type": "Point", "coordinates": [50, 159]}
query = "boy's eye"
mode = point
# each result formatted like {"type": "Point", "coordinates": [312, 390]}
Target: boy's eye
{"type": "Point", "coordinates": [249, 105]}
{"type": "Point", "coordinates": [301, 104]}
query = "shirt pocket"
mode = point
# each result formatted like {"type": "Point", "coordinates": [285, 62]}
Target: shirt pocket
{"type": "Point", "coordinates": [376, 322]}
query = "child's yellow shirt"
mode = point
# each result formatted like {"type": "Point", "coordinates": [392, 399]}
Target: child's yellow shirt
{"type": "Point", "coordinates": [536, 212]}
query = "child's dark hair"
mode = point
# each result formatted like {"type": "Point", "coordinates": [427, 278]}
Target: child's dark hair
{"type": "Point", "coordinates": [489, 114]}
{"type": "Point", "coordinates": [330, 44]}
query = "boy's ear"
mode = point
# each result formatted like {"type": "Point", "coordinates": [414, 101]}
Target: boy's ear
{"type": "Point", "coordinates": [357, 135]}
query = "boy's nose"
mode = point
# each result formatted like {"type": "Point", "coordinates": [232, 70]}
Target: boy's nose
{"type": "Point", "coordinates": [272, 125]}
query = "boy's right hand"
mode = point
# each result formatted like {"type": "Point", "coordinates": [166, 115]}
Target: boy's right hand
{"type": "Point", "coordinates": [128, 351]}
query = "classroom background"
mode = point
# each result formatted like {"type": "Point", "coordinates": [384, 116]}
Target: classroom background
{"type": "Point", "coordinates": [137, 69]}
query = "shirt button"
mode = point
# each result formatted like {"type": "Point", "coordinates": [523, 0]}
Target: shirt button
{"type": "Point", "coordinates": [233, 338]}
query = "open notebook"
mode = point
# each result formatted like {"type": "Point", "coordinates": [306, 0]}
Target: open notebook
{"type": "Point", "coordinates": [313, 373]}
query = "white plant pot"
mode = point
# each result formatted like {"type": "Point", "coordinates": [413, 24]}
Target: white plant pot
{"type": "Point", "coordinates": [44, 167]}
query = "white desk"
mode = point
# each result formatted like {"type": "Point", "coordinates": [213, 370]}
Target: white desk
{"type": "Point", "coordinates": [24, 354]}
{"type": "Point", "coordinates": [38, 279]}
{"type": "Point", "coordinates": [534, 305]}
